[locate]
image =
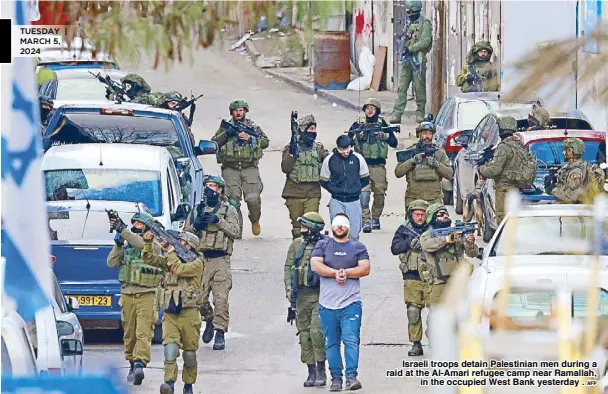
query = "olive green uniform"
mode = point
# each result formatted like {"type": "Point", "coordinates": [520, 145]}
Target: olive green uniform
{"type": "Point", "coordinates": [312, 345]}
{"type": "Point", "coordinates": [138, 284]}
{"type": "Point", "coordinates": [239, 160]}
{"type": "Point", "coordinates": [181, 286]}
{"type": "Point", "coordinates": [302, 190]}
{"type": "Point", "coordinates": [216, 242]}
{"type": "Point", "coordinates": [484, 71]}
{"type": "Point", "coordinates": [576, 183]}
{"type": "Point", "coordinates": [423, 181]}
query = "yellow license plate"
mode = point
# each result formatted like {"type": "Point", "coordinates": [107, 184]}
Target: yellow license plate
{"type": "Point", "coordinates": [94, 300]}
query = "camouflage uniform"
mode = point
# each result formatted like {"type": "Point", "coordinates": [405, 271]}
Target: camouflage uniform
{"type": "Point", "coordinates": [162, 101]}
{"type": "Point", "coordinates": [374, 149]}
{"type": "Point", "coordinates": [312, 345]}
{"type": "Point", "coordinates": [406, 244]}
{"type": "Point", "coordinates": [216, 243]}
{"type": "Point", "coordinates": [418, 40]}
{"type": "Point", "coordinates": [239, 160]}
{"type": "Point", "coordinates": [478, 75]}
{"type": "Point", "coordinates": [423, 174]}
{"type": "Point", "coordinates": [302, 190]}
{"type": "Point", "coordinates": [138, 92]}
{"type": "Point", "coordinates": [138, 283]}
{"type": "Point", "coordinates": [46, 110]}
{"type": "Point", "coordinates": [180, 297]}
{"type": "Point", "coordinates": [506, 162]}
{"type": "Point", "coordinates": [578, 182]}
{"type": "Point", "coordinates": [539, 119]}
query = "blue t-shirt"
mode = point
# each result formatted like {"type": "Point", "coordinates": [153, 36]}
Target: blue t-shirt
{"type": "Point", "coordinates": [339, 255]}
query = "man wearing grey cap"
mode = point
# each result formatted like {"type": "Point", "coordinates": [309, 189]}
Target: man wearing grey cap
{"type": "Point", "coordinates": [343, 174]}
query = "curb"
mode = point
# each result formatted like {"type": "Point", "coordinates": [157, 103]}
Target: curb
{"type": "Point", "coordinates": [252, 51]}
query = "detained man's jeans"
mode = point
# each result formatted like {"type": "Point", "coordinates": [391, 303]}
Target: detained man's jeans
{"type": "Point", "coordinates": [342, 325]}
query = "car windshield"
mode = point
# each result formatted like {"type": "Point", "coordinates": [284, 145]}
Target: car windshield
{"type": "Point", "coordinates": [105, 185]}
{"type": "Point", "coordinates": [81, 89]}
{"type": "Point", "coordinates": [559, 123]}
{"type": "Point", "coordinates": [471, 112]}
{"type": "Point", "coordinates": [549, 235]}
{"type": "Point", "coordinates": [59, 65]}
{"type": "Point", "coordinates": [550, 152]}
{"type": "Point", "coordinates": [80, 128]}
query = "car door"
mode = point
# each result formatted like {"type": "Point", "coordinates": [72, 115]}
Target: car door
{"type": "Point", "coordinates": [175, 194]}
{"type": "Point", "coordinates": [68, 327]}
{"type": "Point", "coordinates": [466, 163]}
{"type": "Point", "coordinates": [196, 169]}
{"type": "Point", "coordinates": [440, 122]}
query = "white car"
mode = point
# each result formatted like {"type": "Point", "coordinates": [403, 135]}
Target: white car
{"type": "Point", "coordinates": [18, 358]}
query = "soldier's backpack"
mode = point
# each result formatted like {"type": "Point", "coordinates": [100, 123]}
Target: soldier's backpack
{"type": "Point", "coordinates": [597, 176]}
{"type": "Point", "coordinates": [522, 169]}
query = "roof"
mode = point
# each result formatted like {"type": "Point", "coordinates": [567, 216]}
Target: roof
{"type": "Point", "coordinates": [85, 73]}
{"type": "Point", "coordinates": [124, 105]}
{"type": "Point", "coordinates": [531, 136]}
{"type": "Point", "coordinates": [517, 113]}
{"type": "Point", "coordinates": [113, 156]}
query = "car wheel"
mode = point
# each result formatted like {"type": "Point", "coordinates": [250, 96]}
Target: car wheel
{"type": "Point", "coordinates": [448, 197]}
{"type": "Point", "coordinates": [158, 334]}
{"type": "Point", "coordinates": [488, 233]}
{"type": "Point", "coordinates": [457, 198]}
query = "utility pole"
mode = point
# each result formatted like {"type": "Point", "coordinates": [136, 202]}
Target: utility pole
{"type": "Point", "coordinates": [438, 59]}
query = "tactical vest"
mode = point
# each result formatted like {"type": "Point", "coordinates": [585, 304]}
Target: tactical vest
{"type": "Point", "coordinates": [425, 173]}
{"type": "Point", "coordinates": [237, 150]}
{"type": "Point", "coordinates": [445, 261]}
{"type": "Point", "coordinates": [307, 167]}
{"type": "Point", "coordinates": [413, 32]}
{"type": "Point", "coordinates": [179, 292]}
{"type": "Point", "coordinates": [133, 271]}
{"type": "Point", "coordinates": [301, 264]}
{"type": "Point", "coordinates": [212, 238]}
{"type": "Point", "coordinates": [371, 148]}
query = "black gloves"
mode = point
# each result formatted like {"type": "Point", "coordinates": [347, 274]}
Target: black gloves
{"type": "Point", "coordinates": [119, 225]}
{"type": "Point", "coordinates": [200, 222]}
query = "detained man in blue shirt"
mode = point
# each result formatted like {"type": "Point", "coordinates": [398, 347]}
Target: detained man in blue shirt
{"type": "Point", "coordinates": [340, 262]}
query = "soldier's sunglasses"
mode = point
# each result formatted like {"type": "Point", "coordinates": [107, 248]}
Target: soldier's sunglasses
{"type": "Point", "coordinates": [442, 214]}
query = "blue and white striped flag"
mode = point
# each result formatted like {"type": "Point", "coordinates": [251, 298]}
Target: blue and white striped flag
{"type": "Point", "coordinates": [25, 237]}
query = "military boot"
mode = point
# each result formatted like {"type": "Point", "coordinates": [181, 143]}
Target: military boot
{"type": "Point", "coordinates": [416, 350]}
{"type": "Point", "coordinates": [352, 384]}
{"type": "Point", "coordinates": [208, 333]}
{"type": "Point", "coordinates": [256, 229]}
{"type": "Point", "coordinates": [396, 118]}
{"type": "Point", "coordinates": [321, 379]}
{"type": "Point", "coordinates": [130, 375]}
{"type": "Point", "coordinates": [312, 376]}
{"type": "Point", "coordinates": [367, 226]}
{"type": "Point", "coordinates": [188, 389]}
{"type": "Point", "coordinates": [219, 343]}
{"type": "Point", "coordinates": [138, 372]}
{"type": "Point", "coordinates": [336, 384]}
{"type": "Point", "coordinates": [167, 388]}
{"type": "Point", "coordinates": [376, 224]}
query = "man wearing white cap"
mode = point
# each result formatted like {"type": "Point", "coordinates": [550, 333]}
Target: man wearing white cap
{"type": "Point", "coordinates": [340, 262]}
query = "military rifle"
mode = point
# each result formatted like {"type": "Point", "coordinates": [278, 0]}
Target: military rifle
{"type": "Point", "coordinates": [114, 87]}
{"type": "Point", "coordinates": [189, 103]}
{"type": "Point", "coordinates": [486, 156]}
{"type": "Point", "coordinates": [405, 155]}
{"type": "Point", "coordinates": [112, 215]}
{"type": "Point", "coordinates": [238, 127]}
{"type": "Point", "coordinates": [406, 53]}
{"type": "Point", "coordinates": [550, 180]}
{"type": "Point", "coordinates": [369, 130]}
{"type": "Point", "coordinates": [168, 238]}
{"type": "Point", "coordinates": [458, 228]}
{"type": "Point", "coordinates": [477, 85]}
{"type": "Point", "coordinates": [295, 283]}
{"type": "Point", "coordinates": [293, 143]}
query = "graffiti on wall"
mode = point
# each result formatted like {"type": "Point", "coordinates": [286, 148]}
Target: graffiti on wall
{"type": "Point", "coordinates": [362, 30]}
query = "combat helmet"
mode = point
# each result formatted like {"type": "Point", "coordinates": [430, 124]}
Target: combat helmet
{"type": "Point", "coordinates": [140, 86]}
{"type": "Point", "coordinates": [305, 122]}
{"type": "Point", "coordinates": [374, 102]}
{"type": "Point", "coordinates": [312, 221]}
{"type": "Point", "coordinates": [190, 239]}
{"type": "Point", "coordinates": [473, 56]}
{"type": "Point", "coordinates": [576, 144]}
{"type": "Point", "coordinates": [417, 205]}
{"type": "Point", "coordinates": [214, 179]}
{"type": "Point", "coordinates": [425, 126]}
{"type": "Point", "coordinates": [432, 210]}
{"type": "Point", "coordinates": [171, 96]}
{"type": "Point", "coordinates": [540, 116]}
{"type": "Point", "coordinates": [238, 104]}
{"type": "Point", "coordinates": [142, 217]}
{"type": "Point", "coordinates": [506, 125]}
{"type": "Point", "coordinates": [414, 5]}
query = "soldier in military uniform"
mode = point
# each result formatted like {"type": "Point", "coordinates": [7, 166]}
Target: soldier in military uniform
{"type": "Point", "coordinates": [170, 101]}
{"type": "Point", "coordinates": [179, 296]}
{"type": "Point", "coordinates": [578, 182]}
{"type": "Point", "coordinates": [46, 110]}
{"type": "Point", "coordinates": [539, 119]}
{"type": "Point", "coordinates": [136, 88]}
{"type": "Point", "coordinates": [312, 344]}
{"type": "Point", "coordinates": [373, 146]}
{"type": "Point", "coordinates": [509, 165]}
{"type": "Point", "coordinates": [416, 44]}
{"type": "Point", "coordinates": [416, 276]}
{"type": "Point", "coordinates": [217, 226]}
{"type": "Point", "coordinates": [423, 174]}
{"type": "Point", "coordinates": [239, 155]}
{"type": "Point", "coordinates": [138, 283]}
{"type": "Point", "coordinates": [479, 73]}
{"type": "Point", "coordinates": [302, 190]}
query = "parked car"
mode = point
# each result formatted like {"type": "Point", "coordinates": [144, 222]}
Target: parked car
{"type": "Point", "coordinates": [573, 119]}
{"type": "Point", "coordinates": [60, 57]}
{"type": "Point", "coordinates": [46, 343]}
{"type": "Point", "coordinates": [546, 145]}
{"type": "Point", "coordinates": [81, 182]}
{"type": "Point", "coordinates": [463, 112]}
{"type": "Point", "coordinates": [18, 358]}
{"type": "Point", "coordinates": [131, 124]}
{"type": "Point", "coordinates": [77, 86]}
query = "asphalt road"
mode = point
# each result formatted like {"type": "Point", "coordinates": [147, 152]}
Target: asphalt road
{"type": "Point", "coordinates": [262, 351]}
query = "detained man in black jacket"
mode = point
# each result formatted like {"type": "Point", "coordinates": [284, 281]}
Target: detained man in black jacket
{"type": "Point", "coordinates": [416, 277]}
{"type": "Point", "coordinates": [343, 174]}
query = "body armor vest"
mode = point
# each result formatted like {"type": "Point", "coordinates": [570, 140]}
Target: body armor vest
{"type": "Point", "coordinates": [179, 292]}
{"type": "Point", "coordinates": [371, 148]}
{"type": "Point", "coordinates": [446, 261]}
{"type": "Point", "coordinates": [424, 172]}
{"type": "Point", "coordinates": [237, 150]}
{"type": "Point", "coordinates": [133, 271]}
{"type": "Point", "coordinates": [307, 167]}
{"type": "Point", "coordinates": [306, 277]}
{"type": "Point", "coordinates": [212, 238]}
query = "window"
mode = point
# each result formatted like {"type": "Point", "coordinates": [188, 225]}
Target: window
{"type": "Point", "coordinates": [59, 298]}
{"type": "Point", "coordinates": [550, 152]}
{"type": "Point", "coordinates": [545, 153]}
{"type": "Point", "coordinates": [489, 133]}
{"type": "Point", "coordinates": [476, 137]}
{"type": "Point", "coordinates": [7, 366]}
{"type": "Point", "coordinates": [471, 112]}
{"type": "Point", "coordinates": [443, 112]}
{"type": "Point", "coordinates": [579, 304]}
{"type": "Point", "coordinates": [81, 89]}
{"type": "Point", "coordinates": [105, 185]}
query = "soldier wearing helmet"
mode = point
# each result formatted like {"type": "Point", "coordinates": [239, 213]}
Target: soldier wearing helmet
{"type": "Point", "coordinates": [416, 43]}
{"type": "Point", "coordinates": [216, 223]}
{"type": "Point", "coordinates": [578, 182]}
{"type": "Point", "coordinates": [443, 254]}
{"type": "Point", "coordinates": [539, 119]}
{"type": "Point", "coordinates": [239, 154]}
{"type": "Point", "coordinates": [302, 190]}
{"type": "Point", "coordinates": [46, 109]}
{"type": "Point", "coordinates": [137, 89]}
{"type": "Point", "coordinates": [180, 298]}
{"type": "Point", "coordinates": [512, 166]}
{"type": "Point", "coordinates": [416, 275]}
{"type": "Point", "coordinates": [423, 173]}
{"type": "Point", "coordinates": [305, 297]}
{"type": "Point", "coordinates": [373, 146]}
{"type": "Point", "coordinates": [138, 282]}
{"type": "Point", "coordinates": [479, 73]}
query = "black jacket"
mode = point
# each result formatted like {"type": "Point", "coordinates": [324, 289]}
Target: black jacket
{"type": "Point", "coordinates": [401, 244]}
{"type": "Point", "coordinates": [344, 177]}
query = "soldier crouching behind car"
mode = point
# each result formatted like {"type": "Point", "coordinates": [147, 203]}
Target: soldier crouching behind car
{"type": "Point", "coordinates": [138, 282]}
{"type": "Point", "coordinates": [180, 297]}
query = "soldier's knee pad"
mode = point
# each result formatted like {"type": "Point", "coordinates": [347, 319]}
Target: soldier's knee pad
{"type": "Point", "coordinates": [365, 198]}
{"type": "Point", "coordinates": [171, 352]}
{"type": "Point", "coordinates": [189, 357]}
{"type": "Point", "coordinates": [413, 314]}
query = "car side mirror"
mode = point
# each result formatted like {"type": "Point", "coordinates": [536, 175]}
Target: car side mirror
{"type": "Point", "coordinates": [205, 147]}
{"type": "Point", "coordinates": [480, 253]}
{"type": "Point", "coordinates": [73, 304]}
{"type": "Point", "coordinates": [182, 212]}
{"type": "Point", "coordinates": [71, 347]}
